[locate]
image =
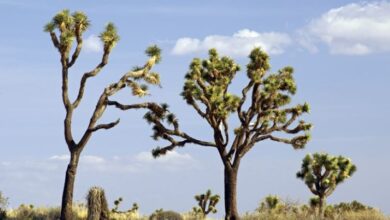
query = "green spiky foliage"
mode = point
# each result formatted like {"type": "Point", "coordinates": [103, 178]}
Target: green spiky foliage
{"type": "Point", "coordinates": [66, 29]}
{"type": "Point", "coordinates": [207, 203]}
{"type": "Point", "coordinates": [270, 203]}
{"type": "Point", "coordinates": [263, 110]}
{"type": "Point", "coordinates": [97, 204]}
{"type": "Point", "coordinates": [322, 172]}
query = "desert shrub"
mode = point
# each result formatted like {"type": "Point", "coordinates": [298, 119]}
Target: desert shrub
{"type": "Point", "coordinates": [97, 204]}
{"type": "Point", "coordinates": [3, 206]}
{"type": "Point", "coordinates": [166, 215]}
{"type": "Point", "coordinates": [354, 206]}
{"type": "Point", "coordinates": [29, 212]}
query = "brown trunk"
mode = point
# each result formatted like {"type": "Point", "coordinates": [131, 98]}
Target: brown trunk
{"type": "Point", "coordinates": [67, 195]}
{"type": "Point", "coordinates": [321, 206]}
{"type": "Point", "coordinates": [231, 193]}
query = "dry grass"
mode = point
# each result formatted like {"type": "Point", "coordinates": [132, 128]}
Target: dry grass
{"type": "Point", "coordinates": [359, 215]}
{"type": "Point", "coordinates": [25, 212]}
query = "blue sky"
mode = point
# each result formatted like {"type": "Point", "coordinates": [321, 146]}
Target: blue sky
{"type": "Point", "coordinates": [339, 49]}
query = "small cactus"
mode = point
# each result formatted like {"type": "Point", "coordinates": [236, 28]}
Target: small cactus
{"type": "Point", "coordinates": [97, 204]}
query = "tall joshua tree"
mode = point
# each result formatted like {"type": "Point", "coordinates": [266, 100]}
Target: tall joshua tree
{"type": "Point", "coordinates": [261, 110]}
{"type": "Point", "coordinates": [323, 172]}
{"type": "Point", "coordinates": [64, 30]}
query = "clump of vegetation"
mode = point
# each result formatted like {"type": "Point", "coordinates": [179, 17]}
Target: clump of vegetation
{"type": "Point", "coordinates": [206, 204]}
{"type": "Point", "coordinates": [165, 215]}
{"type": "Point", "coordinates": [270, 203]}
{"type": "Point", "coordinates": [29, 212]}
{"type": "Point", "coordinates": [97, 204]}
{"type": "Point", "coordinates": [353, 206]}
{"type": "Point", "coordinates": [3, 206]}
{"type": "Point", "coordinates": [321, 173]}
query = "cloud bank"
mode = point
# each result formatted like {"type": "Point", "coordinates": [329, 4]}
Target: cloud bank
{"type": "Point", "coordinates": [353, 29]}
{"type": "Point", "coordinates": [239, 44]}
{"type": "Point", "coordinates": [141, 162]}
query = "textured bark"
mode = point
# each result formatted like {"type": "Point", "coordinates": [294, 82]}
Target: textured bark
{"type": "Point", "coordinates": [321, 206]}
{"type": "Point", "coordinates": [231, 194]}
{"type": "Point", "coordinates": [67, 195]}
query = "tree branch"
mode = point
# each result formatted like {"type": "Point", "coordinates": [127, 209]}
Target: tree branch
{"type": "Point", "coordinates": [243, 99]}
{"type": "Point", "coordinates": [149, 105]}
{"type": "Point", "coordinates": [77, 51]}
{"type": "Point", "coordinates": [105, 126]}
{"type": "Point", "coordinates": [55, 41]}
{"type": "Point", "coordinates": [87, 75]}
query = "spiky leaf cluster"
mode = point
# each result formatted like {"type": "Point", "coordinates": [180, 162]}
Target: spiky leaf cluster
{"type": "Point", "coordinates": [322, 172]}
{"type": "Point", "coordinates": [207, 81]}
{"type": "Point", "coordinates": [109, 36]}
{"type": "Point", "coordinates": [206, 203]}
{"type": "Point", "coordinates": [270, 203]}
{"type": "Point", "coordinates": [258, 65]}
{"type": "Point", "coordinates": [143, 73]}
{"type": "Point", "coordinates": [69, 26]}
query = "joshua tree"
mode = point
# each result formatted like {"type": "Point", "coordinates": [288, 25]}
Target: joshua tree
{"type": "Point", "coordinates": [206, 203]}
{"type": "Point", "coordinates": [64, 29]}
{"type": "Point", "coordinates": [322, 173]}
{"type": "Point", "coordinates": [261, 111]}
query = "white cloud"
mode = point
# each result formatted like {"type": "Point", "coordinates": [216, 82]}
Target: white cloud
{"type": "Point", "coordinates": [239, 44]}
{"type": "Point", "coordinates": [92, 44]}
{"type": "Point", "coordinates": [63, 157]}
{"type": "Point", "coordinates": [92, 159]}
{"type": "Point", "coordinates": [169, 157]}
{"type": "Point", "coordinates": [171, 161]}
{"type": "Point", "coordinates": [88, 159]}
{"type": "Point", "coordinates": [353, 29]}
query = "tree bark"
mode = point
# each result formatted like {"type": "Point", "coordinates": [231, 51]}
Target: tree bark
{"type": "Point", "coordinates": [321, 206]}
{"type": "Point", "coordinates": [231, 193]}
{"type": "Point", "coordinates": [67, 195]}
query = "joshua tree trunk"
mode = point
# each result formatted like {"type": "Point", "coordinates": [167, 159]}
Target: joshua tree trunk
{"type": "Point", "coordinates": [231, 193]}
{"type": "Point", "coordinates": [67, 195]}
{"type": "Point", "coordinates": [321, 206]}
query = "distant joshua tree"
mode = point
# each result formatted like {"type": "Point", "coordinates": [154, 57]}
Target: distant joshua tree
{"type": "Point", "coordinates": [206, 203]}
{"type": "Point", "coordinates": [261, 111]}
{"type": "Point", "coordinates": [322, 173]}
{"type": "Point", "coordinates": [64, 29]}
